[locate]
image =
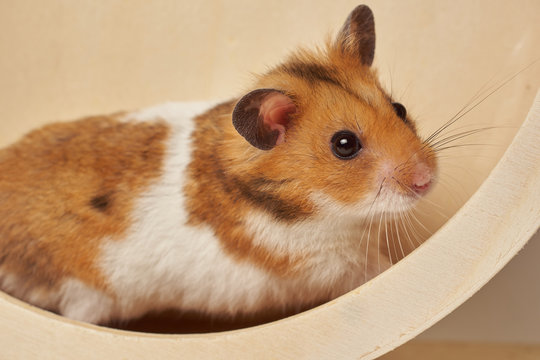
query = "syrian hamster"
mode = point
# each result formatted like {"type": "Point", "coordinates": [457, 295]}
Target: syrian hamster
{"type": "Point", "coordinates": [260, 203]}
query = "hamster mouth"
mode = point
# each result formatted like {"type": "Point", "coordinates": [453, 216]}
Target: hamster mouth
{"type": "Point", "coordinates": [422, 190]}
{"type": "Point", "coordinates": [393, 201]}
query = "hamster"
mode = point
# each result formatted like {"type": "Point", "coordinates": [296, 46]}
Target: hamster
{"type": "Point", "coordinates": [262, 203]}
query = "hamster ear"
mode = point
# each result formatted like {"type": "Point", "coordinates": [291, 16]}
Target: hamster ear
{"type": "Point", "coordinates": [261, 117]}
{"type": "Point", "coordinates": [357, 36]}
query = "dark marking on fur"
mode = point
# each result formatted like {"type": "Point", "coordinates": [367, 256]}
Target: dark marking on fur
{"type": "Point", "coordinates": [270, 201]}
{"type": "Point", "coordinates": [315, 73]}
{"type": "Point", "coordinates": [101, 202]}
{"type": "Point", "coordinates": [265, 182]}
{"type": "Point", "coordinates": [261, 192]}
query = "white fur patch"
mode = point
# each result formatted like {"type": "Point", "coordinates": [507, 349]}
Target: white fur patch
{"type": "Point", "coordinates": [334, 250]}
{"type": "Point", "coordinates": [78, 301]}
{"type": "Point", "coordinates": [384, 201]}
{"type": "Point", "coordinates": [163, 263]}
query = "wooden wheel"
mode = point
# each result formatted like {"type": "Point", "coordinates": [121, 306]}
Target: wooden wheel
{"type": "Point", "coordinates": [471, 247]}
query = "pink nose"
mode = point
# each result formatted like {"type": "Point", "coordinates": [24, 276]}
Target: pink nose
{"type": "Point", "coordinates": [421, 179]}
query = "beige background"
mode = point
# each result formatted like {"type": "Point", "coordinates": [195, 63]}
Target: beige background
{"type": "Point", "coordinates": [63, 59]}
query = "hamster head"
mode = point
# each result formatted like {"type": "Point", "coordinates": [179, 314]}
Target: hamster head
{"type": "Point", "coordinates": [322, 124]}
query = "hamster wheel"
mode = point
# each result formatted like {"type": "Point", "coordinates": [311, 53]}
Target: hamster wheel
{"type": "Point", "coordinates": [365, 323]}
{"type": "Point", "coordinates": [475, 243]}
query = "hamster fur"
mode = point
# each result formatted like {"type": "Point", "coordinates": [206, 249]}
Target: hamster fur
{"type": "Point", "coordinates": [260, 203]}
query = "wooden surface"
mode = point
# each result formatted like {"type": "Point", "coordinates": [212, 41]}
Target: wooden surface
{"type": "Point", "coordinates": [68, 59]}
{"type": "Point", "coordinates": [416, 350]}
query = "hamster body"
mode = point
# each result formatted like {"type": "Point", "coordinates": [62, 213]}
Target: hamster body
{"type": "Point", "coordinates": [261, 203]}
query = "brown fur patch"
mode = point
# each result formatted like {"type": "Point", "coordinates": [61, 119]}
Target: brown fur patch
{"type": "Point", "coordinates": [66, 187]}
{"type": "Point", "coordinates": [222, 197]}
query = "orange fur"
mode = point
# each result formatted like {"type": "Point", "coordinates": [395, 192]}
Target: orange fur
{"type": "Point", "coordinates": [333, 91]}
{"type": "Point", "coordinates": [66, 187]}
{"type": "Point", "coordinates": [215, 195]}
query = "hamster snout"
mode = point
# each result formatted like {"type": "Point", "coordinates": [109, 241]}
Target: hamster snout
{"type": "Point", "coordinates": [421, 178]}
{"type": "Point", "coordinates": [406, 170]}
{"type": "Point", "coordinates": [411, 179]}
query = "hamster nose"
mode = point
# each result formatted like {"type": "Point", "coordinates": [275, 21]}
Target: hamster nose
{"type": "Point", "coordinates": [421, 178]}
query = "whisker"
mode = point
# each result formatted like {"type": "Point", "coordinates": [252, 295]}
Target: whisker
{"type": "Point", "coordinates": [368, 240]}
{"type": "Point", "coordinates": [464, 145]}
{"type": "Point", "coordinates": [416, 236]}
{"type": "Point", "coordinates": [402, 218]}
{"type": "Point", "coordinates": [379, 245]}
{"type": "Point", "coordinates": [367, 246]}
{"type": "Point", "coordinates": [477, 103]}
{"type": "Point", "coordinates": [445, 157]}
{"type": "Point", "coordinates": [465, 106]}
{"type": "Point", "coordinates": [387, 238]}
{"type": "Point", "coordinates": [439, 212]}
{"type": "Point", "coordinates": [456, 199]}
{"type": "Point", "coordinates": [459, 136]}
{"type": "Point", "coordinates": [399, 238]}
{"type": "Point", "coordinates": [469, 170]}
{"type": "Point", "coordinates": [419, 222]}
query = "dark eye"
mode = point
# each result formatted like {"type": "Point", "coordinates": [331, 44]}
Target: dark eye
{"type": "Point", "coordinates": [400, 110]}
{"type": "Point", "coordinates": [345, 144]}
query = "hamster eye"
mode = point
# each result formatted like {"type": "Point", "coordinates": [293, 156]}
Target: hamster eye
{"type": "Point", "coordinates": [345, 145]}
{"type": "Point", "coordinates": [400, 110]}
